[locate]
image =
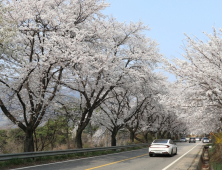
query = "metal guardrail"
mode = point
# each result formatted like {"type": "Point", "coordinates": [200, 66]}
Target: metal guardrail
{"type": "Point", "coordinates": [25, 155]}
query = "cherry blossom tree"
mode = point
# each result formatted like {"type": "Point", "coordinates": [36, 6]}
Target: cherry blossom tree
{"type": "Point", "coordinates": [50, 35]}
{"type": "Point", "coordinates": [119, 110]}
{"type": "Point", "coordinates": [141, 123]}
{"type": "Point", "coordinates": [8, 29]}
{"type": "Point", "coordinates": [144, 120]}
{"type": "Point", "coordinates": [199, 76]}
{"type": "Point", "coordinates": [117, 52]}
{"type": "Point", "coordinates": [201, 69]}
{"type": "Point", "coordinates": [69, 44]}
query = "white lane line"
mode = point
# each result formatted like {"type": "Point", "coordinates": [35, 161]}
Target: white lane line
{"type": "Point", "coordinates": [179, 158]}
{"type": "Point", "coordinates": [72, 160]}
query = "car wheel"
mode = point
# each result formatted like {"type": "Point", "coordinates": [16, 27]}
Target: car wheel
{"type": "Point", "coordinates": [171, 153]}
{"type": "Point", "coordinates": [189, 142]}
{"type": "Point", "coordinates": [151, 155]}
{"type": "Point", "coordinates": [176, 152]}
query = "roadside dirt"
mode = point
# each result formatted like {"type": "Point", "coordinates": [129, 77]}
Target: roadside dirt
{"type": "Point", "coordinates": [205, 157]}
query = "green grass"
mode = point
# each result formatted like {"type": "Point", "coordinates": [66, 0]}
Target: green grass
{"type": "Point", "coordinates": [212, 151]}
{"type": "Point", "coordinates": [8, 163]}
{"type": "Point", "coordinates": [217, 166]}
{"type": "Point", "coordinates": [208, 144]}
{"type": "Point", "coordinates": [14, 163]}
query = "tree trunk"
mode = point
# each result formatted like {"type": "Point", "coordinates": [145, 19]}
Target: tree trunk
{"type": "Point", "coordinates": [169, 135]}
{"type": "Point", "coordinates": [175, 136]}
{"type": "Point", "coordinates": [159, 134]}
{"type": "Point", "coordinates": [153, 135]}
{"type": "Point", "coordinates": [67, 138]}
{"type": "Point", "coordinates": [52, 146]}
{"type": "Point", "coordinates": [29, 142]}
{"type": "Point", "coordinates": [163, 134]}
{"type": "Point", "coordinates": [113, 140]}
{"type": "Point", "coordinates": [35, 142]}
{"type": "Point", "coordinates": [82, 125]}
{"type": "Point", "coordinates": [146, 137]}
{"type": "Point", "coordinates": [113, 137]}
{"type": "Point", "coordinates": [78, 139]}
{"type": "Point", "coordinates": [132, 136]}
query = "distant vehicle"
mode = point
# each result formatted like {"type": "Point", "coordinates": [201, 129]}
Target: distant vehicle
{"type": "Point", "coordinates": [205, 140]}
{"type": "Point", "coordinates": [162, 147]}
{"type": "Point", "coordinates": [192, 140]}
{"type": "Point", "coordinates": [183, 139]}
{"type": "Point", "coordinates": [197, 138]}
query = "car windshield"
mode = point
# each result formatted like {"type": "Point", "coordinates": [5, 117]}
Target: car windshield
{"type": "Point", "coordinates": [205, 138]}
{"type": "Point", "coordinates": [182, 138]}
{"type": "Point", "coordinates": [160, 141]}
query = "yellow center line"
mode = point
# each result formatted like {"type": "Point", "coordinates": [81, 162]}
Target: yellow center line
{"type": "Point", "coordinates": [115, 162]}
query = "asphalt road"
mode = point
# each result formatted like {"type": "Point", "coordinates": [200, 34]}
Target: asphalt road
{"type": "Point", "coordinates": [130, 160]}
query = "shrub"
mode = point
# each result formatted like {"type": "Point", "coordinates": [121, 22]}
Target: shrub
{"type": "Point", "coordinates": [216, 151]}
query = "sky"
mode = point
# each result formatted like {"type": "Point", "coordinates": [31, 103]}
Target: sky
{"type": "Point", "coordinates": [169, 20]}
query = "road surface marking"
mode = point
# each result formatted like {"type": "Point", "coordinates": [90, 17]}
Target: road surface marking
{"type": "Point", "coordinates": [179, 158]}
{"type": "Point", "coordinates": [116, 162]}
{"type": "Point", "coordinates": [73, 160]}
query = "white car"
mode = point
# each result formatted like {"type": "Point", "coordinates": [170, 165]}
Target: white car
{"type": "Point", "coordinates": [197, 138]}
{"type": "Point", "coordinates": [205, 140]}
{"type": "Point", "coordinates": [162, 147]}
{"type": "Point", "coordinates": [183, 139]}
